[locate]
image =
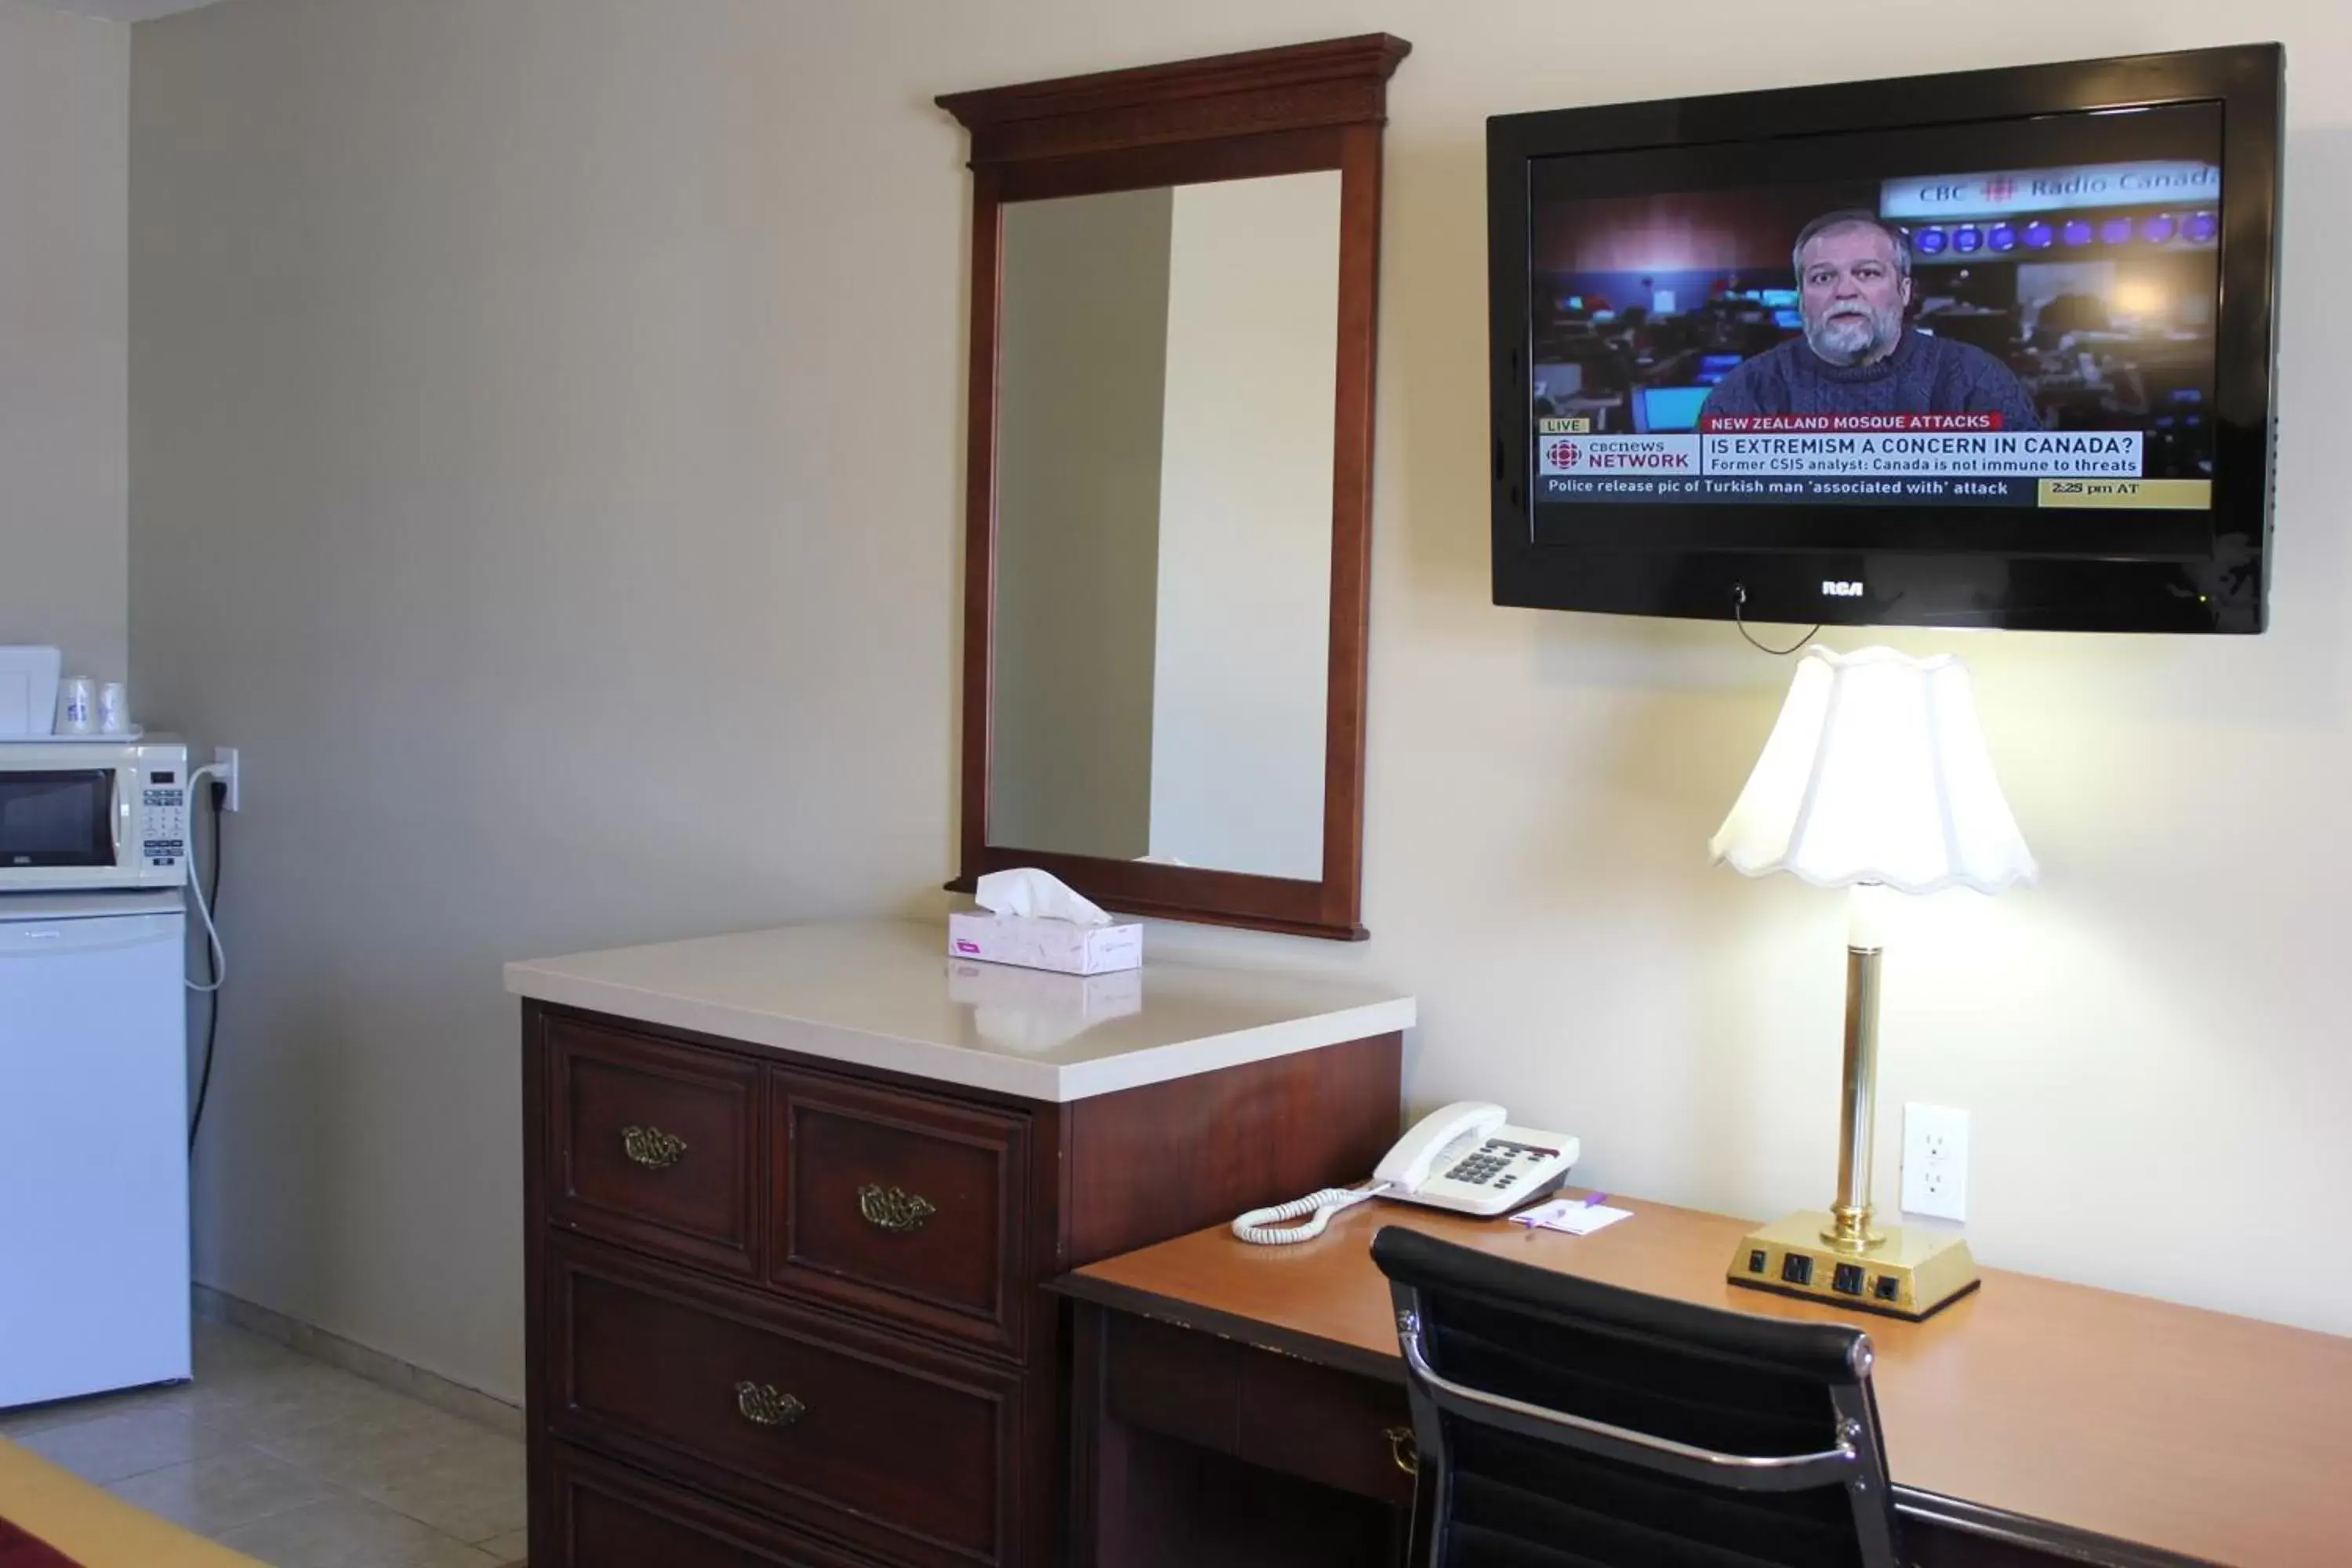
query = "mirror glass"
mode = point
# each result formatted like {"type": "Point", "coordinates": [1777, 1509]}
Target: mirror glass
{"type": "Point", "coordinates": [1166, 360]}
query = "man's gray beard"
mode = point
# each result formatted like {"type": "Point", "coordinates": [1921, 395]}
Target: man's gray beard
{"type": "Point", "coordinates": [1849, 340]}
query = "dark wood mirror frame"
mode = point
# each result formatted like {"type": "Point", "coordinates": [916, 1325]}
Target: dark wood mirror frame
{"type": "Point", "coordinates": [1269, 111]}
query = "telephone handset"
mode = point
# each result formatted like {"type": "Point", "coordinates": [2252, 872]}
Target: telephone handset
{"type": "Point", "coordinates": [1462, 1158]}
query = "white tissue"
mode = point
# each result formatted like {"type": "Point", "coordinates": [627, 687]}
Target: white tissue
{"type": "Point", "coordinates": [1036, 895]}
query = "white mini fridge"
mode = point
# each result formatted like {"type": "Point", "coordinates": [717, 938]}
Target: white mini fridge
{"type": "Point", "coordinates": [94, 1144]}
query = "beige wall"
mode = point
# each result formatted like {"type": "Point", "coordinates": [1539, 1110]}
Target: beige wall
{"type": "Point", "coordinates": [1081, 383]}
{"type": "Point", "coordinates": [1242, 661]}
{"type": "Point", "coordinates": [63, 159]}
{"type": "Point", "coordinates": [547, 447]}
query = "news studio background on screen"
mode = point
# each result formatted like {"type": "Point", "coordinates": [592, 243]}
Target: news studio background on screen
{"type": "Point", "coordinates": [2031, 332]}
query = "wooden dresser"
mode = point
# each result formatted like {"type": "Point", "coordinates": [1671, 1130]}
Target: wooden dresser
{"type": "Point", "coordinates": [791, 1195]}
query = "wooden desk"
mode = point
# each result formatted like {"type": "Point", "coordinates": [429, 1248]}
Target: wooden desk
{"type": "Point", "coordinates": [2032, 1422]}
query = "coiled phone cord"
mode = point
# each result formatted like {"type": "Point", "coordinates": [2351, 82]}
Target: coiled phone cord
{"type": "Point", "coordinates": [1270, 1226]}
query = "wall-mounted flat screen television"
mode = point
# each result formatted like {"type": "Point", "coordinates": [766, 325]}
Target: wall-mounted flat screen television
{"type": "Point", "coordinates": [1991, 349]}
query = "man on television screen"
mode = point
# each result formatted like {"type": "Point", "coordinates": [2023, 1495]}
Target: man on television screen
{"type": "Point", "coordinates": [1853, 285]}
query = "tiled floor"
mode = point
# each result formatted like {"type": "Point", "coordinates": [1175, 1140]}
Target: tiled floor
{"type": "Point", "coordinates": [293, 1462]}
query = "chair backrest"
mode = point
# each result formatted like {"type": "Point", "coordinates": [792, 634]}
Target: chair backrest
{"type": "Point", "coordinates": [1568, 1423]}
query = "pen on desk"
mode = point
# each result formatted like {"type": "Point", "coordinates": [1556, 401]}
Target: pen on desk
{"type": "Point", "coordinates": [1589, 1201]}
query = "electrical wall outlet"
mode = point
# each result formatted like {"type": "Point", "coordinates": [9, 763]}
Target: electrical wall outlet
{"type": "Point", "coordinates": [1935, 1161]}
{"type": "Point", "coordinates": [226, 771]}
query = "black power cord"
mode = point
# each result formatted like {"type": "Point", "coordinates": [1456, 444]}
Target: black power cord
{"type": "Point", "coordinates": [1740, 619]}
{"type": "Point", "coordinates": [217, 792]}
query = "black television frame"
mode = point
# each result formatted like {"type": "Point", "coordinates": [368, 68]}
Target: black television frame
{"type": "Point", "coordinates": [2222, 585]}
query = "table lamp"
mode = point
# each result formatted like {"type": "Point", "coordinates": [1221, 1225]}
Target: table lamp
{"type": "Point", "coordinates": [1876, 778]}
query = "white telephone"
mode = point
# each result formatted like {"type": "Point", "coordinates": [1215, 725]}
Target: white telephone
{"type": "Point", "coordinates": [1463, 1157]}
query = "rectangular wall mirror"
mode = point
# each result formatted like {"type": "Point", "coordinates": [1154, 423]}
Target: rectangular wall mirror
{"type": "Point", "coordinates": [1163, 524]}
{"type": "Point", "coordinates": [1173, 298]}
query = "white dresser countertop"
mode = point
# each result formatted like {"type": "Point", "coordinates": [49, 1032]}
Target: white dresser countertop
{"type": "Point", "coordinates": [886, 994]}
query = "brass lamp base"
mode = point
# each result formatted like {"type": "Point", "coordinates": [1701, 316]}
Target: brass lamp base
{"type": "Point", "coordinates": [1837, 1256]}
{"type": "Point", "coordinates": [1910, 1272]}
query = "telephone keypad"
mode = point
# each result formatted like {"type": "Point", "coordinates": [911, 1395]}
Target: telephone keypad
{"type": "Point", "coordinates": [1492, 1164]}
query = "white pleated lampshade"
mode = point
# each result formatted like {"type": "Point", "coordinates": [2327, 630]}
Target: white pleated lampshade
{"type": "Point", "coordinates": [1876, 772]}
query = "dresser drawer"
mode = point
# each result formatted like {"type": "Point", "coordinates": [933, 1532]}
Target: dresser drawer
{"type": "Point", "coordinates": [900, 1451]}
{"type": "Point", "coordinates": [899, 1204]}
{"type": "Point", "coordinates": [608, 1516]}
{"type": "Point", "coordinates": [653, 1144]}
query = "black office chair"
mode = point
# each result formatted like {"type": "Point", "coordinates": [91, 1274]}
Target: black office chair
{"type": "Point", "coordinates": [1566, 1424]}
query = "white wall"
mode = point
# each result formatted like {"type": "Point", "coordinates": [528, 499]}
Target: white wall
{"type": "Point", "coordinates": [1243, 663]}
{"type": "Point", "coordinates": [65, 85]}
{"type": "Point", "coordinates": [547, 445]}
{"type": "Point", "coordinates": [546, 436]}
{"type": "Point", "coordinates": [1082, 375]}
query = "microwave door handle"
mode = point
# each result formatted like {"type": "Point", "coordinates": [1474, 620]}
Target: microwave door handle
{"type": "Point", "coordinates": [121, 810]}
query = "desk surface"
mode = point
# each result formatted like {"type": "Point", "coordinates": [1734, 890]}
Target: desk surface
{"type": "Point", "coordinates": [2191, 1432]}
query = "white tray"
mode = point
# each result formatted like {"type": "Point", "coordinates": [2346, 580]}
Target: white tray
{"type": "Point", "coordinates": [60, 738]}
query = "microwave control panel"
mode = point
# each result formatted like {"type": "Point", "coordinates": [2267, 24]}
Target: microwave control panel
{"type": "Point", "coordinates": [162, 822]}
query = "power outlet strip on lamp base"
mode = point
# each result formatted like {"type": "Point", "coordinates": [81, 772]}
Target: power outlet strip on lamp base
{"type": "Point", "coordinates": [1912, 1272]}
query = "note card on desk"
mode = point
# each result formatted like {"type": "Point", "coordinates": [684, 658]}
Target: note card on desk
{"type": "Point", "coordinates": [1576, 1217]}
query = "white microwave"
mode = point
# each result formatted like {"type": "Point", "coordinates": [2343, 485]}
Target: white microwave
{"type": "Point", "coordinates": [101, 813]}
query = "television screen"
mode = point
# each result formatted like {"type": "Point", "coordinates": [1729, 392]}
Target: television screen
{"type": "Point", "coordinates": [1987, 349]}
{"type": "Point", "coordinates": [2039, 335]}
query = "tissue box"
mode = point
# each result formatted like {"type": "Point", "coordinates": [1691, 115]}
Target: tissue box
{"type": "Point", "coordinates": [1035, 943]}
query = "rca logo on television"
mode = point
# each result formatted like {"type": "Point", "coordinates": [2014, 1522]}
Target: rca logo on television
{"type": "Point", "coordinates": [1836, 590]}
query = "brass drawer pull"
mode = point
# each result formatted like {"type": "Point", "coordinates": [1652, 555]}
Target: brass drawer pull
{"type": "Point", "coordinates": [888, 1208]}
{"type": "Point", "coordinates": [762, 1406]}
{"type": "Point", "coordinates": [651, 1147]}
{"type": "Point", "coordinates": [1403, 1449]}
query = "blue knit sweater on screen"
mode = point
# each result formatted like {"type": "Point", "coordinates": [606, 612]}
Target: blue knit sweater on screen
{"type": "Point", "coordinates": [1923, 375]}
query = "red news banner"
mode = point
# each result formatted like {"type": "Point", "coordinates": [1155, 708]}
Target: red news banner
{"type": "Point", "coordinates": [1843, 424]}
